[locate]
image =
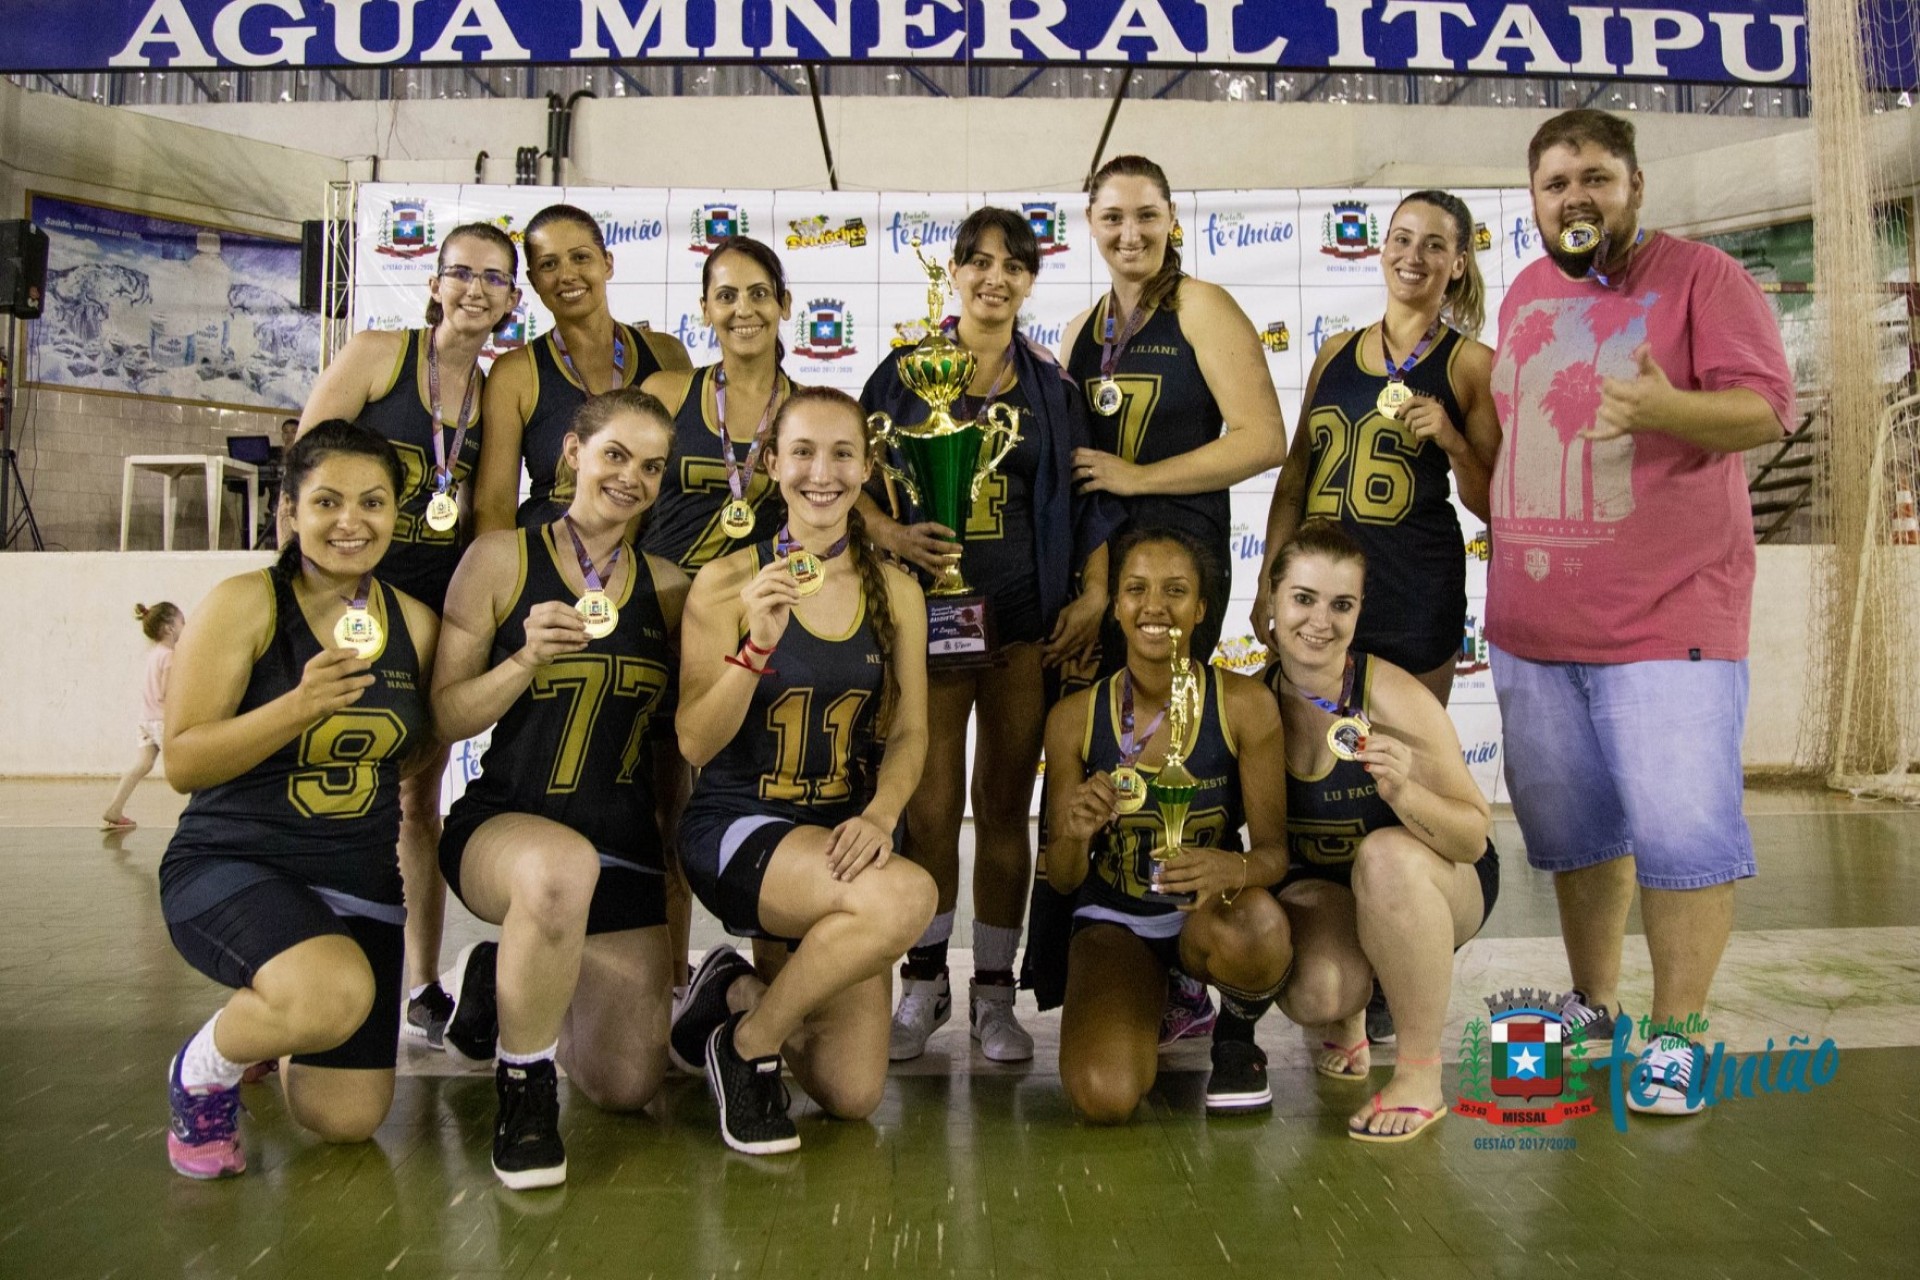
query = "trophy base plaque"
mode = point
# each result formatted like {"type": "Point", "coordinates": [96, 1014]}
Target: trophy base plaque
{"type": "Point", "coordinates": [960, 633]}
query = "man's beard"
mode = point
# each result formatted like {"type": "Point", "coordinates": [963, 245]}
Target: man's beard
{"type": "Point", "coordinates": [1614, 243]}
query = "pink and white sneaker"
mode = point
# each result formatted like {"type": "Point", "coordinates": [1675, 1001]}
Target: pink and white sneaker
{"type": "Point", "coordinates": [1189, 1010]}
{"type": "Point", "coordinates": [203, 1139]}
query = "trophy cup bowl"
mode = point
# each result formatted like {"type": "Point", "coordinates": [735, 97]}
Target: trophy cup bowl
{"type": "Point", "coordinates": [947, 460]}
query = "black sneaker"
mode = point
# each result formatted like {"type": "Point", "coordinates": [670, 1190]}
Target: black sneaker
{"type": "Point", "coordinates": [473, 1027]}
{"type": "Point", "coordinates": [1239, 1079]}
{"type": "Point", "coordinates": [527, 1151]}
{"type": "Point", "coordinates": [752, 1099]}
{"type": "Point", "coordinates": [1380, 1018]}
{"type": "Point", "coordinates": [427, 1016]}
{"type": "Point", "coordinates": [1594, 1020]}
{"type": "Point", "coordinates": [704, 1007]}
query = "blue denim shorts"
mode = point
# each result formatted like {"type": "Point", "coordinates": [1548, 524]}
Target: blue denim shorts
{"type": "Point", "coordinates": [1640, 758]}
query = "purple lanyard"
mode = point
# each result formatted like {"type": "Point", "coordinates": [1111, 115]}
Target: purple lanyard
{"type": "Point", "coordinates": [358, 600]}
{"type": "Point", "coordinates": [619, 360]}
{"type": "Point", "coordinates": [1111, 348]}
{"type": "Point", "coordinates": [1345, 705]}
{"type": "Point", "coordinates": [1399, 372]}
{"type": "Point", "coordinates": [596, 580]}
{"type": "Point", "coordinates": [442, 469]}
{"type": "Point", "coordinates": [786, 542]}
{"type": "Point", "coordinates": [1600, 256]}
{"type": "Point", "coordinates": [951, 327]}
{"type": "Point", "coordinates": [737, 472]}
{"type": "Point", "coordinates": [1130, 748]}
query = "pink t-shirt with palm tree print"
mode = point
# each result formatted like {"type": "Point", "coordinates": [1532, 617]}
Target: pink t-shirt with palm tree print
{"type": "Point", "coordinates": [1639, 548]}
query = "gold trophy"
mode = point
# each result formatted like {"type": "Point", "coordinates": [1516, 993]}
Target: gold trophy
{"type": "Point", "coordinates": [947, 461]}
{"type": "Point", "coordinates": [1173, 788]}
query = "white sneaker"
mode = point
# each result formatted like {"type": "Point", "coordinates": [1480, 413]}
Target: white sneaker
{"type": "Point", "coordinates": [1001, 1037]}
{"type": "Point", "coordinates": [926, 1004]}
{"type": "Point", "coordinates": [1670, 1061]}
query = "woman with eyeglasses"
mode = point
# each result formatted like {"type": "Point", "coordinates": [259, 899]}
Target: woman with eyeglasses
{"type": "Point", "coordinates": [420, 389]}
{"type": "Point", "coordinates": [534, 392]}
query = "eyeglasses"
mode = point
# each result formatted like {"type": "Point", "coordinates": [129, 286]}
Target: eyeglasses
{"type": "Point", "coordinates": [464, 276]}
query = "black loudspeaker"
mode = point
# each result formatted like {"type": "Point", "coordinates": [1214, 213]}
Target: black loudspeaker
{"type": "Point", "coordinates": [313, 254]}
{"type": "Point", "coordinates": [23, 269]}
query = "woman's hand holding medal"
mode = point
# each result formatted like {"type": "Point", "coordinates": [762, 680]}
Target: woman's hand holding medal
{"type": "Point", "coordinates": [769, 597]}
{"type": "Point", "coordinates": [553, 629]}
{"type": "Point", "coordinates": [1428, 419]}
{"type": "Point", "coordinates": [1388, 761]}
{"type": "Point", "coordinates": [1095, 804]}
{"type": "Point", "coordinates": [331, 680]}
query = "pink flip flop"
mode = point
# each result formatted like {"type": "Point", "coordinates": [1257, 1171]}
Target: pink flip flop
{"type": "Point", "coordinates": [1427, 1120]}
{"type": "Point", "coordinates": [1348, 1052]}
{"type": "Point", "coordinates": [124, 824]}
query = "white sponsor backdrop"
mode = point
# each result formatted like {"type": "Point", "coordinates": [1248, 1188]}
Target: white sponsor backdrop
{"type": "Point", "coordinates": [1303, 264]}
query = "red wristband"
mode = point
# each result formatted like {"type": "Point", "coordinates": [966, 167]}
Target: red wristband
{"type": "Point", "coordinates": [754, 648]}
{"type": "Point", "coordinates": [740, 662]}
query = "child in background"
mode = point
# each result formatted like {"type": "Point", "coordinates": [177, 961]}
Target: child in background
{"type": "Point", "coordinates": [162, 623]}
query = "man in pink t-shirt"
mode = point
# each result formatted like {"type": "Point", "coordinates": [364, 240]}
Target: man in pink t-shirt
{"type": "Point", "coordinates": [1633, 369]}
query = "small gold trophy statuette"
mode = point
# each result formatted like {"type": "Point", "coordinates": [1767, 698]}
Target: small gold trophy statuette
{"type": "Point", "coordinates": [1174, 786]}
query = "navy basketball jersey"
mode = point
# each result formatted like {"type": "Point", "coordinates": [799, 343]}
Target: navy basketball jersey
{"type": "Point", "coordinates": [421, 559]}
{"type": "Point", "coordinates": [1390, 492]}
{"type": "Point", "coordinates": [324, 807]}
{"type": "Point", "coordinates": [1122, 855]}
{"type": "Point", "coordinates": [571, 747]}
{"type": "Point", "coordinates": [1328, 815]}
{"type": "Point", "coordinates": [684, 524]}
{"type": "Point", "coordinates": [1167, 410]}
{"type": "Point", "coordinates": [801, 752]}
{"type": "Point", "coordinates": [556, 396]}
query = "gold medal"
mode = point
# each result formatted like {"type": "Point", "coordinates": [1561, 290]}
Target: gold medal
{"type": "Point", "coordinates": [809, 575]}
{"type": "Point", "coordinates": [600, 613]}
{"type": "Point", "coordinates": [359, 631]}
{"type": "Point", "coordinates": [1344, 736]}
{"type": "Point", "coordinates": [1392, 398]}
{"type": "Point", "coordinates": [442, 512]}
{"type": "Point", "coordinates": [736, 519]}
{"type": "Point", "coordinates": [1107, 398]}
{"type": "Point", "coordinates": [1579, 237]}
{"type": "Point", "coordinates": [1130, 789]}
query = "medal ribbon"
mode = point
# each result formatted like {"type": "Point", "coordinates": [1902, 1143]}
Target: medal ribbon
{"type": "Point", "coordinates": [596, 579]}
{"type": "Point", "coordinates": [1130, 747]}
{"type": "Point", "coordinates": [1600, 256]}
{"type": "Point", "coordinates": [619, 360]}
{"type": "Point", "coordinates": [951, 327]}
{"type": "Point", "coordinates": [1111, 348]}
{"type": "Point", "coordinates": [358, 600]}
{"type": "Point", "coordinates": [737, 472]}
{"type": "Point", "coordinates": [1399, 372]}
{"type": "Point", "coordinates": [1345, 706]}
{"type": "Point", "coordinates": [786, 542]}
{"type": "Point", "coordinates": [442, 468]}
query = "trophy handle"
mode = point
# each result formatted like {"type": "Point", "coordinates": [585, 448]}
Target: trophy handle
{"type": "Point", "coordinates": [882, 429]}
{"type": "Point", "coordinates": [1002, 425]}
